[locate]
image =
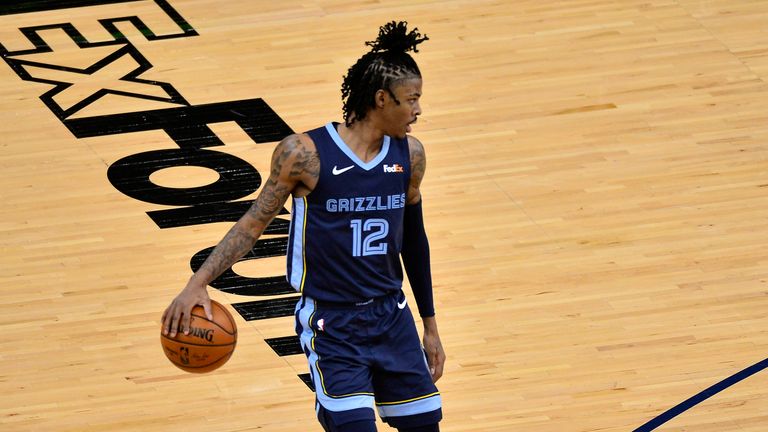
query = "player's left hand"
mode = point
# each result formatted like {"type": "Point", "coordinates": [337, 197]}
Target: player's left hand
{"type": "Point", "coordinates": [434, 349]}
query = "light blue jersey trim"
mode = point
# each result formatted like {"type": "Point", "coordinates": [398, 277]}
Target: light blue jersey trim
{"type": "Point", "coordinates": [296, 236]}
{"type": "Point", "coordinates": [350, 154]}
{"type": "Point", "coordinates": [420, 406]}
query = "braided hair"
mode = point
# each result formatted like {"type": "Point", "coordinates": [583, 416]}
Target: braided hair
{"type": "Point", "coordinates": [387, 63]}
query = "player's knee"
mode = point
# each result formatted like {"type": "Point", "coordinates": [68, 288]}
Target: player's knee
{"type": "Point", "coordinates": [356, 420]}
{"type": "Point", "coordinates": [424, 422]}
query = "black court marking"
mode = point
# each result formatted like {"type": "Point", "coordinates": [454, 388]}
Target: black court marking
{"type": "Point", "coordinates": [19, 7]}
{"type": "Point", "coordinates": [285, 346]}
{"type": "Point", "coordinates": [123, 45]}
{"type": "Point", "coordinates": [308, 381]}
{"type": "Point", "coordinates": [188, 125]}
{"type": "Point", "coordinates": [131, 176]}
{"type": "Point", "coordinates": [231, 282]}
{"type": "Point", "coordinates": [266, 309]}
{"type": "Point", "coordinates": [126, 50]}
{"type": "Point", "coordinates": [702, 396]}
{"type": "Point", "coordinates": [30, 6]}
{"type": "Point", "coordinates": [213, 212]}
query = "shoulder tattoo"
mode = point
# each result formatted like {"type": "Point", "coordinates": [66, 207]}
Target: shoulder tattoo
{"type": "Point", "coordinates": [292, 163]}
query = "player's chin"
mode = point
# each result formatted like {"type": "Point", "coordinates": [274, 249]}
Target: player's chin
{"type": "Point", "coordinates": [402, 134]}
{"type": "Point", "coordinates": [399, 134]}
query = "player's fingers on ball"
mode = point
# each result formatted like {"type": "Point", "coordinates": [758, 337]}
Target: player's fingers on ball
{"type": "Point", "coordinates": [186, 319]}
{"type": "Point", "coordinates": [175, 316]}
{"type": "Point", "coordinates": [168, 327]}
{"type": "Point", "coordinates": [207, 307]}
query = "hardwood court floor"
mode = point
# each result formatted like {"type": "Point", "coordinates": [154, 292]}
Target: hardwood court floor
{"type": "Point", "coordinates": [595, 199]}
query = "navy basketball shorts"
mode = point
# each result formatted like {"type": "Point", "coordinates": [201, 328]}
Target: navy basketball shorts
{"type": "Point", "coordinates": [367, 354]}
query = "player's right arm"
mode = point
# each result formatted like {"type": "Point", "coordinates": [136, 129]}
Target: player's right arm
{"type": "Point", "coordinates": [294, 165]}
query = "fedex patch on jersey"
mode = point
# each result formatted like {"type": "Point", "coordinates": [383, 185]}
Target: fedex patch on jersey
{"type": "Point", "coordinates": [396, 168]}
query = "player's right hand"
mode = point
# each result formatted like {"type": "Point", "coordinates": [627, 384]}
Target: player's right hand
{"type": "Point", "coordinates": [179, 313]}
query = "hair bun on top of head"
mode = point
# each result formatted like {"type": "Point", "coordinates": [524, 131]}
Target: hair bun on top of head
{"type": "Point", "coordinates": [394, 37]}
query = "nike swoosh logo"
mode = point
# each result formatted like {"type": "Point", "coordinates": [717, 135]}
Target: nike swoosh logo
{"type": "Point", "coordinates": [402, 305]}
{"type": "Point", "coordinates": [337, 171]}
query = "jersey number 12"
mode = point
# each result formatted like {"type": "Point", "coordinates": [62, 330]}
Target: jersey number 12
{"type": "Point", "coordinates": [366, 235]}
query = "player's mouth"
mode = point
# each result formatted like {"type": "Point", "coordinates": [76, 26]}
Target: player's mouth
{"type": "Point", "coordinates": [408, 126]}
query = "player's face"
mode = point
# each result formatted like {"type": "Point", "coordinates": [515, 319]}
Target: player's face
{"type": "Point", "coordinates": [400, 116]}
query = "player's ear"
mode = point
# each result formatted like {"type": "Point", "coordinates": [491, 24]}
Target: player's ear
{"type": "Point", "coordinates": [380, 98]}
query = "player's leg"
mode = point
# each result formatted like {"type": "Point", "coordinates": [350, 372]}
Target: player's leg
{"type": "Point", "coordinates": [342, 380]}
{"type": "Point", "coordinates": [423, 422]}
{"type": "Point", "coordinates": [359, 426]}
{"type": "Point", "coordinates": [406, 397]}
{"type": "Point", "coordinates": [329, 421]}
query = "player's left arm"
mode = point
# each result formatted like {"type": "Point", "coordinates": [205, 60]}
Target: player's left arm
{"type": "Point", "coordinates": [415, 253]}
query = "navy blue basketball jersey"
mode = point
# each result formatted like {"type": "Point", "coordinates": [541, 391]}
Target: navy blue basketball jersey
{"type": "Point", "coordinates": [347, 233]}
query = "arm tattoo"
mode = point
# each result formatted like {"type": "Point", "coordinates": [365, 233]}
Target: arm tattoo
{"type": "Point", "coordinates": [301, 164]}
{"type": "Point", "coordinates": [273, 194]}
{"type": "Point", "coordinates": [418, 166]}
{"type": "Point", "coordinates": [233, 246]}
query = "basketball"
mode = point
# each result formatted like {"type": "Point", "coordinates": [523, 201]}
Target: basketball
{"type": "Point", "coordinates": [208, 345]}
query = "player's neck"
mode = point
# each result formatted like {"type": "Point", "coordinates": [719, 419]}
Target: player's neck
{"type": "Point", "coordinates": [363, 138]}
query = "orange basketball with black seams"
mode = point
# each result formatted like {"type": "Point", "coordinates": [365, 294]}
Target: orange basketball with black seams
{"type": "Point", "coordinates": [209, 344]}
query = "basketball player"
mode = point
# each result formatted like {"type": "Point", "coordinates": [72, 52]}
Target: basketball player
{"type": "Point", "coordinates": [356, 211]}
